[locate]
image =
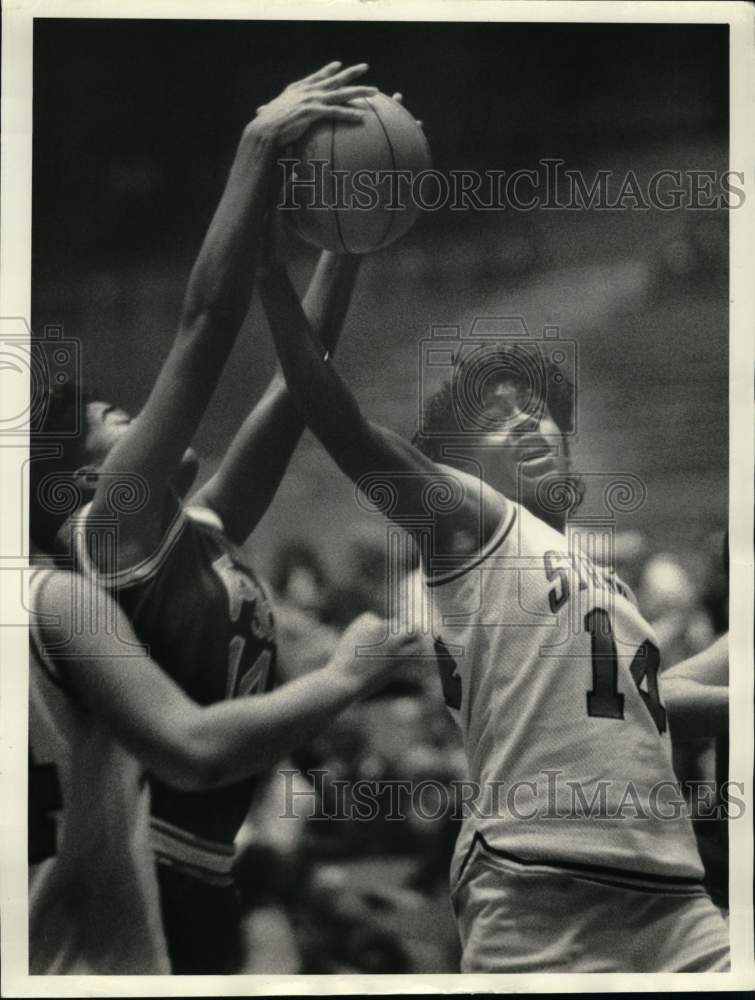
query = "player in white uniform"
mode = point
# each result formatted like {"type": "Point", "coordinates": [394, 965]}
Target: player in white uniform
{"type": "Point", "coordinates": [574, 856]}
{"type": "Point", "coordinates": [100, 714]}
{"type": "Point", "coordinates": [93, 901]}
{"type": "Point", "coordinates": [567, 739]}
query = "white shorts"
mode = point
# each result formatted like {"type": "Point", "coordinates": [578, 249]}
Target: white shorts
{"type": "Point", "coordinates": [516, 917]}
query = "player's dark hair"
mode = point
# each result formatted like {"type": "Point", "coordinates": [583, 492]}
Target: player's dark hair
{"type": "Point", "coordinates": [545, 384]}
{"type": "Point", "coordinates": [57, 449]}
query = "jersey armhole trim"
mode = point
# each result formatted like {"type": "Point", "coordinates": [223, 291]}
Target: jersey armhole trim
{"type": "Point", "coordinates": [138, 573]}
{"type": "Point", "coordinates": [205, 515]}
{"type": "Point", "coordinates": [496, 540]}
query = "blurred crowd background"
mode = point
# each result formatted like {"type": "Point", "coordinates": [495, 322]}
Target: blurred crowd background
{"type": "Point", "coordinates": [134, 127]}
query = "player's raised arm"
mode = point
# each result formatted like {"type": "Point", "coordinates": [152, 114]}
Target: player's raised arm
{"type": "Point", "coordinates": [245, 484]}
{"type": "Point", "coordinates": [184, 744]}
{"type": "Point", "coordinates": [217, 299]}
{"type": "Point", "coordinates": [359, 447]}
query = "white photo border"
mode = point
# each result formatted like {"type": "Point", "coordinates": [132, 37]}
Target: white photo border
{"type": "Point", "coordinates": [15, 302]}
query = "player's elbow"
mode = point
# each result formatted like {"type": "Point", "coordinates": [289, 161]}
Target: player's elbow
{"type": "Point", "coordinates": [185, 759]}
{"type": "Point", "coordinates": [191, 769]}
{"type": "Point", "coordinates": [204, 771]}
{"type": "Point", "coordinates": [182, 770]}
{"type": "Point", "coordinates": [206, 759]}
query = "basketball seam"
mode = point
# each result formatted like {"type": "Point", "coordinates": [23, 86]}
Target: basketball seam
{"type": "Point", "coordinates": [332, 165]}
{"type": "Point", "coordinates": [391, 218]}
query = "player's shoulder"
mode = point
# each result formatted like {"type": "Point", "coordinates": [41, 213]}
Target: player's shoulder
{"type": "Point", "coordinates": [472, 485]}
{"type": "Point", "coordinates": [50, 589]}
{"type": "Point", "coordinates": [54, 602]}
{"type": "Point", "coordinates": [485, 508]}
{"type": "Point", "coordinates": [125, 565]}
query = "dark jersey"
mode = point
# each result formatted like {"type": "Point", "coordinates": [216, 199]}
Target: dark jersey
{"type": "Point", "coordinates": [207, 621]}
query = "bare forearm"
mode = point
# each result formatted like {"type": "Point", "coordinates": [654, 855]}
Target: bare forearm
{"type": "Point", "coordinates": [221, 280]}
{"type": "Point", "coordinates": [194, 747]}
{"type": "Point", "coordinates": [709, 666]}
{"type": "Point", "coordinates": [244, 486]}
{"type": "Point", "coordinates": [327, 299]}
{"type": "Point", "coordinates": [256, 461]}
{"type": "Point", "coordinates": [326, 403]}
{"type": "Point", "coordinates": [248, 735]}
{"type": "Point", "coordinates": [215, 304]}
{"type": "Point", "coordinates": [182, 743]}
{"type": "Point", "coordinates": [219, 292]}
{"type": "Point", "coordinates": [695, 710]}
{"type": "Point", "coordinates": [233, 739]}
{"type": "Point", "coordinates": [322, 398]}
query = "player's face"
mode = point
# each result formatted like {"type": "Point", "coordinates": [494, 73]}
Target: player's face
{"type": "Point", "coordinates": [106, 425]}
{"type": "Point", "coordinates": [523, 448]}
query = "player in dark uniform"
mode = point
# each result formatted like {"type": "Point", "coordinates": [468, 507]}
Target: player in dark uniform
{"type": "Point", "coordinates": [99, 712]}
{"type": "Point", "coordinates": [177, 570]}
{"type": "Point", "coordinates": [208, 623]}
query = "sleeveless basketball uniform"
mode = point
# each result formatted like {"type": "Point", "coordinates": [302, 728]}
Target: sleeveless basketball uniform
{"type": "Point", "coordinates": [207, 622]}
{"type": "Point", "coordinates": [93, 895]}
{"type": "Point", "coordinates": [551, 673]}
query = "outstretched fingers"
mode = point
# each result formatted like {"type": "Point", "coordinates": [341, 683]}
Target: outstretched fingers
{"type": "Point", "coordinates": [345, 76]}
{"type": "Point", "coordinates": [345, 94]}
{"type": "Point", "coordinates": [323, 73]}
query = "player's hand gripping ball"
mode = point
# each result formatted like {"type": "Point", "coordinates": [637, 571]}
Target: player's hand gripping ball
{"type": "Point", "coordinates": [346, 194]}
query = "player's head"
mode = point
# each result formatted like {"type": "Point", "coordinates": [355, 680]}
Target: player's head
{"type": "Point", "coordinates": [70, 444]}
{"type": "Point", "coordinates": [508, 410]}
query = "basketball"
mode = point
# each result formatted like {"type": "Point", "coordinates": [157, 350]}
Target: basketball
{"type": "Point", "coordinates": [345, 193]}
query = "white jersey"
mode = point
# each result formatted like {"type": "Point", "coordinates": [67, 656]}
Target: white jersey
{"type": "Point", "coordinates": [93, 899]}
{"type": "Point", "coordinates": [551, 672]}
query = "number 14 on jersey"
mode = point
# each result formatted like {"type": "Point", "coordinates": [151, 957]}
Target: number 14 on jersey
{"type": "Point", "coordinates": [604, 699]}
